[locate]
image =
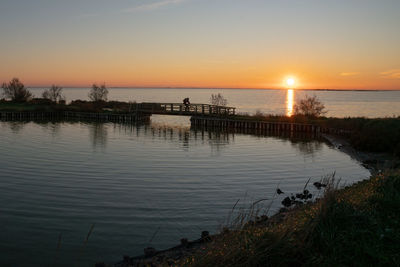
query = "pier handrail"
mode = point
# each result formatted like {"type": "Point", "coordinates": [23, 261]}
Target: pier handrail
{"type": "Point", "coordinates": [182, 109]}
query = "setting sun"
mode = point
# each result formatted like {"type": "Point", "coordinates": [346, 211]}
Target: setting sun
{"type": "Point", "coordinates": [290, 82]}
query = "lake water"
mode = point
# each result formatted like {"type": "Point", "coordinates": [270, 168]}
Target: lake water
{"type": "Point", "coordinates": [141, 185]}
{"type": "Point", "coordinates": [338, 103]}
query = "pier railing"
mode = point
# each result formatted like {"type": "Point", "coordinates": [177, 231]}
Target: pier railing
{"type": "Point", "coordinates": [66, 115]}
{"type": "Point", "coordinates": [182, 109]}
{"type": "Point", "coordinates": [264, 126]}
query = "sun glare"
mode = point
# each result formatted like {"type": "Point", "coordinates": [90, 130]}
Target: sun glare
{"type": "Point", "coordinates": [289, 102]}
{"type": "Point", "coordinates": [290, 82]}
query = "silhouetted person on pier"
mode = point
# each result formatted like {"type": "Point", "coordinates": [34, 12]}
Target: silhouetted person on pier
{"type": "Point", "coordinates": [186, 102]}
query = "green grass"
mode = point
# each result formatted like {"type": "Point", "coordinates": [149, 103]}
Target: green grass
{"type": "Point", "coordinates": [355, 226]}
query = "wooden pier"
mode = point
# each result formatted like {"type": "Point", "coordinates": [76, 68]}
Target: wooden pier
{"type": "Point", "coordinates": [31, 115]}
{"type": "Point", "coordinates": [140, 112]}
{"type": "Point", "coordinates": [188, 110]}
{"type": "Point", "coordinates": [112, 117]}
{"type": "Point", "coordinates": [263, 126]}
{"type": "Point", "coordinates": [92, 116]}
{"type": "Point", "coordinates": [202, 115]}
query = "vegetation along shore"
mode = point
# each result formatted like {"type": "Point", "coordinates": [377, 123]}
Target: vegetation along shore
{"type": "Point", "coordinates": [354, 226]}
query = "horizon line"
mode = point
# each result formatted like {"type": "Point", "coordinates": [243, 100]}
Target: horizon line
{"type": "Point", "coordinates": [224, 88]}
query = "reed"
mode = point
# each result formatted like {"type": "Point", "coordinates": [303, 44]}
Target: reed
{"type": "Point", "coordinates": [84, 244]}
{"type": "Point", "coordinates": [365, 134]}
{"type": "Point", "coordinates": [58, 249]}
{"type": "Point", "coordinates": [357, 225]}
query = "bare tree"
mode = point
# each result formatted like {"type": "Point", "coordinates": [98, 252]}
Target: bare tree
{"type": "Point", "coordinates": [309, 106]}
{"type": "Point", "coordinates": [16, 91]}
{"type": "Point", "coordinates": [218, 100]}
{"type": "Point", "coordinates": [54, 93]}
{"type": "Point", "coordinates": [98, 93]}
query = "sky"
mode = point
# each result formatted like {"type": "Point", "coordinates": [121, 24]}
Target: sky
{"type": "Point", "coordinates": [331, 44]}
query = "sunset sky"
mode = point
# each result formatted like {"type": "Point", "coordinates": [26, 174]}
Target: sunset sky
{"type": "Point", "coordinates": [338, 44]}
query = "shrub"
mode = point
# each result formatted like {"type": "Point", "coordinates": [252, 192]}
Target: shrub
{"type": "Point", "coordinates": [85, 106]}
{"type": "Point", "coordinates": [16, 91]}
{"type": "Point", "coordinates": [54, 93]}
{"type": "Point", "coordinates": [259, 113]}
{"type": "Point", "coordinates": [310, 106]}
{"type": "Point", "coordinates": [40, 101]}
{"type": "Point", "coordinates": [98, 93]}
{"type": "Point", "coordinates": [218, 100]}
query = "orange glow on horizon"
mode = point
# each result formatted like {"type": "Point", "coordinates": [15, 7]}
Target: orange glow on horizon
{"type": "Point", "coordinates": [197, 76]}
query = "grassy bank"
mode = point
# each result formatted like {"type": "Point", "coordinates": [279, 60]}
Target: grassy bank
{"type": "Point", "coordinates": [373, 135]}
{"type": "Point", "coordinates": [355, 226]}
{"type": "Point", "coordinates": [40, 105]}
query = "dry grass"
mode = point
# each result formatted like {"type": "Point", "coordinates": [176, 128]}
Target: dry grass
{"type": "Point", "coordinates": [349, 226]}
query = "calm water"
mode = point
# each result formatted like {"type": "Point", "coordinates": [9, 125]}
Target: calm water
{"type": "Point", "coordinates": [133, 182]}
{"type": "Point", "coordinates": [338, 103]}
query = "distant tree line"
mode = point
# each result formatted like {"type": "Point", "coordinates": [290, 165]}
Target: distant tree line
{"type": "Point", "coordinates": [16, 91]}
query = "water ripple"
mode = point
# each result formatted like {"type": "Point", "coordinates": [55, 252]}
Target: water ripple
{"type": "Point", "coordinates": [61, 178]}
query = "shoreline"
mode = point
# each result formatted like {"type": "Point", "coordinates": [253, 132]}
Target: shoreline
{"type": "Point", "coordinates": [374, 162]}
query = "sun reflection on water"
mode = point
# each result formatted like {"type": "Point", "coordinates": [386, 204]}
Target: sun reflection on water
{"type": "Point", "coordinates": [289, 102]}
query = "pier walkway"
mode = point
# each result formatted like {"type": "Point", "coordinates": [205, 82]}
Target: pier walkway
{"type": "Point", "coordinates": [182, 109]}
